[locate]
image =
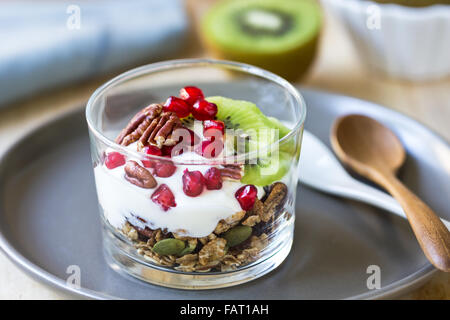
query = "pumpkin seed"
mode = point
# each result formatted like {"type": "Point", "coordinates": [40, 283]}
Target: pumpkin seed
{"type": "Point", "coordinates": [237, 235]}
{"type": "Point", "coordinates": [188, 249]}
{"type": "Point", "coordinates": [169, 246]}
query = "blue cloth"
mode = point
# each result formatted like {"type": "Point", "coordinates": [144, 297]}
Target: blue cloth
{"type": "Point", "coordinates": [41, 45]}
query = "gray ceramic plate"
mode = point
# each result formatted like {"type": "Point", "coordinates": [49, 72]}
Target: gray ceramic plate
{"type": "Point", "coordinates": [49, 218]}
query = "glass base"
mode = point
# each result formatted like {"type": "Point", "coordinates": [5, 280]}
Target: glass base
{"type": "Point", "coordinates": [122, 260]}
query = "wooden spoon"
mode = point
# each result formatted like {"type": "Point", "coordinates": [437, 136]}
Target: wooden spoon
{"type": "Point", "coordinates": [373, 151]}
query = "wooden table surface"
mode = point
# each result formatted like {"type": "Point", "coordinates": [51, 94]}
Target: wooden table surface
{"type": "Point", "coordinates": [337, 69]}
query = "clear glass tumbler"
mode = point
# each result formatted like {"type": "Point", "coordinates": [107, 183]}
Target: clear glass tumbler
{"type": "Point", "coordinates": [158, 225]}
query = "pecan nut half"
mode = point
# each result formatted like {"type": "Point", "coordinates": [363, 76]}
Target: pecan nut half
{"type": "Point", "coordinates": [138, 124]}
{"type": "Point", "coordinates": [152, 126]}
{"type": "Point", "coordinates": [231, 172]}
{"type": "Point", "coordinates": [139, 176]}
{"type": "Point", "coordinates": [159, 131]}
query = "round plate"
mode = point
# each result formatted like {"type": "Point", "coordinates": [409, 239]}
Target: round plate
{"type": "Point", "coordinates": [49, 218]}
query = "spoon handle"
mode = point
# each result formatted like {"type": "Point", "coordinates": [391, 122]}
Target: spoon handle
{"type": "Point", "coordinates": [433, 236]}
{"type": "Point", "coordinates": [379, 199]}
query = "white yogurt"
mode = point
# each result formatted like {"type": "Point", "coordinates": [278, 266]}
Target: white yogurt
{"type": "Point", "coordinates": [192, 216]}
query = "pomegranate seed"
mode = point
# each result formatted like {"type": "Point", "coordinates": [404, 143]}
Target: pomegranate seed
{"type": "Point", "coordinates": [246, 196]}
{"type": "Point", "coordinates": [164, 197]}
{"type": "Point", "coordinates": [191, 94]}
{"type": "Point", "coordinates": [152, 150]}
{"type": "Point", "coordinates": [148, 163]}
{"type": "Point", "coordinates": [193, 183]}
{"type": "Point", "coordinates": [204, 110]}
{"type": "Point", "coordinates": [194, 139]}
{"type": "Point", "coordinates": [186, 137]}
{"type": "Point", "coordinates": [167, 151]}
{"type": "Point", "coordinates": [213, 179]}
{"type": "Point", "coordinates": [114, 160]}
{"type": "Point", "coordinates": [207, 150]}
{"type": "Point", "coordinates": [177, 105]}
{"type": "Point", "coordinates": [213, 124]}
{"type": "Point", "coordinates": [164, 169]}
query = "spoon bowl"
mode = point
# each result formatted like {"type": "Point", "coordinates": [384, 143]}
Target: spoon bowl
{"type": "Point", "coordinates": [373, 151]}
{"type": "Point", "coordinates": [366, 143]}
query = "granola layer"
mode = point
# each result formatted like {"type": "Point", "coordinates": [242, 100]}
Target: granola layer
{"type": "Point", "coordinates": [235, 242]}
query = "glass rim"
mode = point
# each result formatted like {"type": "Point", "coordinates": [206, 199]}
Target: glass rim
{"type": "Point", "coordinates": [183, 63]}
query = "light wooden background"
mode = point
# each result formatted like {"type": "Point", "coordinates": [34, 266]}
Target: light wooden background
{"type": "Point", "coordinates": [337, 69]}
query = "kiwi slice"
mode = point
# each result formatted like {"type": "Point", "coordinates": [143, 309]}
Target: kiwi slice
{"type": "Point", "coordinates": [273, 168]}
{"type": "Point", "coordinates": [280, 36]}
{"type": "Point", "coordinates": [282, 129]}
{"type": "Point", "coordinates": [245, 115]}
{"type": "Point", "coordinates": [266, 172]}
{"type": "Point", "coordinates": [288, 146]}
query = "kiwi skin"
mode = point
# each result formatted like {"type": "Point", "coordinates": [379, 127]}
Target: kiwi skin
{"type": "Point", "coordinates": [290, 64]}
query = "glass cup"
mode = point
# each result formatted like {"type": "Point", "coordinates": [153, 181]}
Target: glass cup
{"type": "Point", "coordinates": [155, 227]}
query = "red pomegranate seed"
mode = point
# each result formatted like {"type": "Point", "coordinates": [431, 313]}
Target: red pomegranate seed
{"type": "Point", "coordinates": [177, 105]}
{"type": "Point", "coordinates": [209, 148]}
{"type": "Point", "coordinates": [164, 169]}
{"type": "Point", "coordinates": [213, 179]}
{"type": "Point", "coordinates": [114, 160]}
{"type": "Point", "coordinates": [164, 197]}
{"type": "Point", "coordinates": [191, 94]}
{"type": "Point", "coordinates": [186, 137]}
{"type": "Point", "coordinates": [193, 183]}
{"type": "Point", "coordinates": [148, 163]}
{"type": "Point", "coordinates": [152, 150]}
{"type": "Point", "coordinates": [213, 124]}
{"type": "Point", "coordinates": [246, 196]}
{"type": "Point", "coordinates": [167, 151]}
{"type": "Point", "coordinates": [204, 110]}
{"type": "Point", "coordinates": [194, 139]}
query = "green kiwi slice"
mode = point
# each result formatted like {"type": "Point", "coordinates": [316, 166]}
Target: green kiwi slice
{"type": "Point", "coordinates": [278, 35]}
{"type": "Point", "coordinates": [283, 130]}
{"type": "Point", "coordinates": [245, 115]}
{"type": "Point", "coordinates": [266, 172]}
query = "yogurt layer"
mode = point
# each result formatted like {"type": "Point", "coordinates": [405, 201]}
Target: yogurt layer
{"type": "Point", "coordinates": [192, 216]}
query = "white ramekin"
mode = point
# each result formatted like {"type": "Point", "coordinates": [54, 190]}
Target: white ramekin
{"type": "Point", "coordinates": [403, 42]}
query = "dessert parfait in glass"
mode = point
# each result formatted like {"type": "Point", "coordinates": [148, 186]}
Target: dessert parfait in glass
{"type": "Point", "coordinates": [196, 188]}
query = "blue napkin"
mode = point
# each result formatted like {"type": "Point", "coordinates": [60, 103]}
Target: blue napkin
{"type": "Point", "coordinates": [45, 44]}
